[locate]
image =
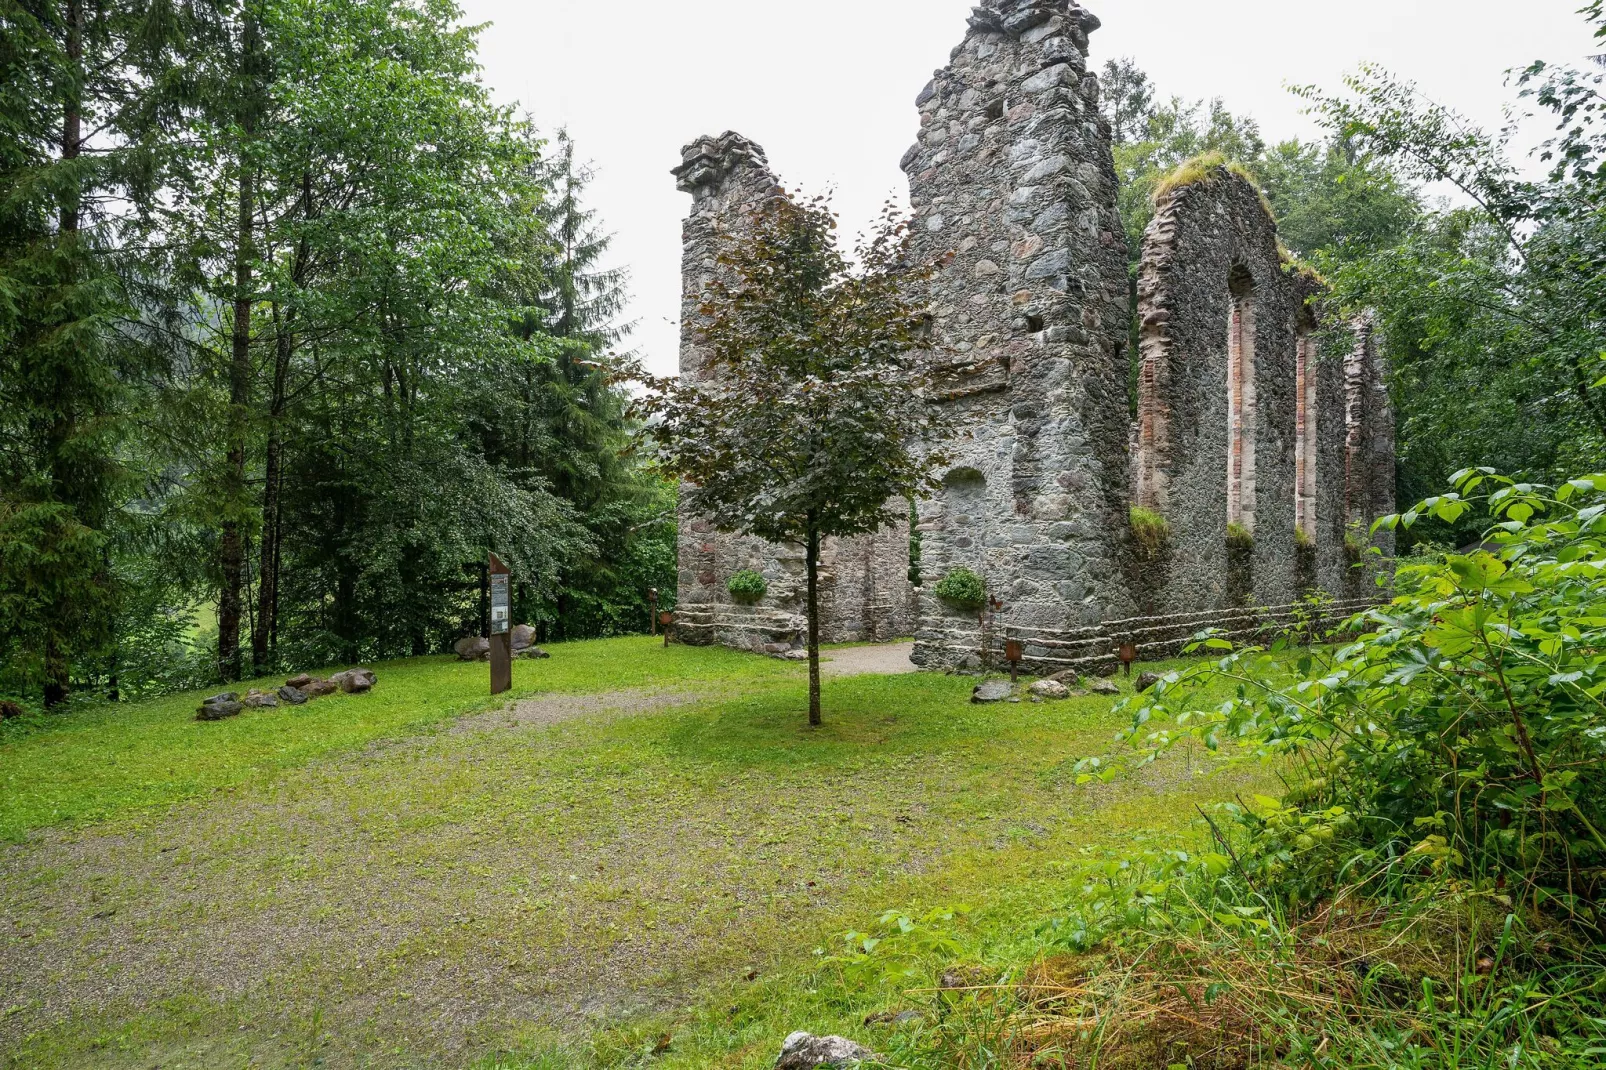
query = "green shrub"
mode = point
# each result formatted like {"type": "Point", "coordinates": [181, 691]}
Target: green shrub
{"type": "Point", "coordinates": [1463, 733]}
{"type": "Point", "coordinates": [1240, 537]}
{"type": "Point", "coordinates": [962, 589]}
{"type": "Point", "coordinates": [748, 586]}
{"type": "Point", "coordinates": [1151, 532]}
{"type": "Point", "coordinates": [1303, 541]}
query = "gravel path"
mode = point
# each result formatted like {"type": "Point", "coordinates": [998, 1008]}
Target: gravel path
{"type": "Point", "coordinates": [889, 660]}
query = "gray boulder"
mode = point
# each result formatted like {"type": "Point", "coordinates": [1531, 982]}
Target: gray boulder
{"type": "Point", "coordinates": [220, 710]}
{"type": "Point", "coordinates": [803, 1051]}
{"type": "Point", "coordinates": [523, 638]}
{"type": "Point", "coordinates": [533, 653]}
{"type": "Point", "coordinates": [1106, 687]}
{"type": "Point", "coordinates": [477, 649]}
{"type": "Point", "coordinates": [320, 688]}
{"type": "Point", "coordinates": [355, 681]}
{"type": "Point", "coordinates": [260, 700]}
{"type": "Point", "coordinates": [227, 696]}
{"type": "Point", "coordinates": [1070, 678]}
{"type": "Point", "coordinates": [993, 691]}
{"type": "Point", "coordinates": [292, 696]}
{"type": "Point", "coordinates": [299, 682]}
{"type": "Point", "coordinates": [1050, 689]}
{"type": "Point", "coordinates": [1148, 680]}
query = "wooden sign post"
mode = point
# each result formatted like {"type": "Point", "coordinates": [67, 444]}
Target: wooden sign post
{"type": "Point", "coordinates": [501, 626]}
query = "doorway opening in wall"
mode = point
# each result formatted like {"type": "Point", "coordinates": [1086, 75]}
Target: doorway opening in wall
{"type": "Point", "coordinates": [1242, 423]}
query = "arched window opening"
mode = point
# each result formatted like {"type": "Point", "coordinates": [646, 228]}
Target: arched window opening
{"type": "Point", "coordinates": [1242, 422]}
{"type": "Point", "coordinates": [1306, 449]}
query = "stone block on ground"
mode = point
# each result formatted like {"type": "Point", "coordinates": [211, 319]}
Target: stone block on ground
{"type": "Point", "coordinates": [292, 696]}
{"type": "Point", "coordinates": [533, 653]}
{"type": "Point", "coordinates": [1148, 680]}
{"type": "Point", "coordinates": [1050, 689]}
{"type": "Point", "coordinates": [804, 1051]}
{"type": "Point", "coordinates": [1106, 687]}
{"type": "Point", "coordinates": [299, 682]}
{"type": "Point", "coordinates": [993, 691]}
{"type": "Point", "coordinates": [1070, 678]}
{"type": "Point", "coordinates": [355, 681]}
{"type": "Point", "coordinates": [219, 710]}
{"type": "Point", "coordinates": [260, 700]}
{"type": "Point", "coordinates": [319, 688]}
{"type": "Point", "coordinates": [472, 649]}
{"type": "Point", "coordinates": [523, 637]}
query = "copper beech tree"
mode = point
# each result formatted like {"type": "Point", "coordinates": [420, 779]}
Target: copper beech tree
{"type": "Point", "coordinates": [809, 416]}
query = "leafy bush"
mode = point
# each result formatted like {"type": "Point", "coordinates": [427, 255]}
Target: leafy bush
{"type": "Point", "coordinates": [1464, 733]}
{"type": "Point", "coordinates": [1240, 537]}
{"type": "Point", "coordinates": [1151, 531]}
{"type": "Point", "coordinates": [962, 589]}
{"type": "Point", "coordinates": [748, 586]}
{"type": "Point", "coordinates": [1303, 541]}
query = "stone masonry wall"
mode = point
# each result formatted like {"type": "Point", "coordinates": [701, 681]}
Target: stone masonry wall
{"type": "Point", "coordinates": [1013, 179]}
{"type": "Point", "coordinates": [1211, 255]}
{"type": "Point", "coordinates": [865, 593]}
{"type": "Point", "coordinates": [1013, 189]}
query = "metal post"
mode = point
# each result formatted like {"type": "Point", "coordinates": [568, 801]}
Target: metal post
{"type": "Point", "coordinates": [652, 610]}
{"type": "Point", "coordinates": [668, 621]}
{"type": "Point", "coordinates": [501, 636]}
{"type": "Point", "coordinates": [1016, 654]}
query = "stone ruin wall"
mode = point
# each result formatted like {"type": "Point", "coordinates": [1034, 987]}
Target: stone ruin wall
{"type": "Point", "coordinates": [865, 591]}
{"type": "Point", "coordinates": [1013, 178]}
{"type": "Point", "coordinates": [1252, 408]}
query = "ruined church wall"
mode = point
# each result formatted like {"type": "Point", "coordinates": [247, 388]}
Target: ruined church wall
{"type": "Point", "coordinates": [1013, 187]}
{"type": "Point", "coordinates": [865, 592]}
{"type": "Point", "coordinates": [1216, 437]}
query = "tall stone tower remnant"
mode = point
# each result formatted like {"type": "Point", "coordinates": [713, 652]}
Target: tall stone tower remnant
{"type": "Point", "coordinates": [1013, 176]}
{"type": "Point", "coordinates": [865, 591]}
{"type": "Point", "coordinates": [1263, 451]}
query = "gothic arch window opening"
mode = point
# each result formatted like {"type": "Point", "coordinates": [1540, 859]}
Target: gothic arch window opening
{"type": "Point", "coordinates": [1242, 415]}
{"type": "Point", "coordinates": [1306, 448]}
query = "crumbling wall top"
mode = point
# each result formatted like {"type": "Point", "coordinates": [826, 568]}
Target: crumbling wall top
{"type": "Point", "coordinates": [1022, 16]}
{"type": "Point", "coordinates": [707, 162]}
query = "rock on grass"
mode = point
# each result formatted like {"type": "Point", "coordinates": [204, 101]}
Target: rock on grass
{"type": "Point", "coordinates": [803, 1051]}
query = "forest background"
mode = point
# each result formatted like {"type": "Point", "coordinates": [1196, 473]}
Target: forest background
{"type": "Point", "coordinates": [296, 325]}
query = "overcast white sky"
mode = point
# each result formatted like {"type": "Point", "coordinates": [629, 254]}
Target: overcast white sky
{"type": "Point", "coordinates": [828, 86]}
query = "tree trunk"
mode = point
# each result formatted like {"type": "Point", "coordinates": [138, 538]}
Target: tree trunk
{"type": "Point", "coordinates": [58, 673]}
{"type": "Point", "coordinates": [72, 112]}
{"type": "Point", "coordinates": [814, 627]}
{"type": "Point", "coordinates": [232, 549]}
{"type": "Point", "coordinates": [268, 581]}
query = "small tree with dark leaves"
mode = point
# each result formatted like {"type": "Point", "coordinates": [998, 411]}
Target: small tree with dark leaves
{"type": "Point", "coordinates": [809, 417]}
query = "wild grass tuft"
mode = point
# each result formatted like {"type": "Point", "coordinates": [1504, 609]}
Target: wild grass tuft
{"type": "Point", "coordinates": [1151, 532]}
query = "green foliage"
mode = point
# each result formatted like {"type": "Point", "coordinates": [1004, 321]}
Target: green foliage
{"type": "Point", "coordinates": [1463, 733]}
{"type": "Point", "coordinates": [1151, 531]}
{"type": "Point", "coordinates": [1491, 307]}
{"type": "Point", "coordinates": [822, 423]}
{"type": "Point", "coordinates": [1240, 537]}
{"type": "Point", "coordinates": [962, 589]}
{"type": "Point", "coordinates": [748, 586]}
{"type": "Point", "coordinates": [358, 309]}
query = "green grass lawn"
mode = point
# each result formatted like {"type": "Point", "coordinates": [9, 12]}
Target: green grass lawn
{"type": "Point", "coordinates": [415, 878]}
{"type": "Point", "coordinates": [111, 761]}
